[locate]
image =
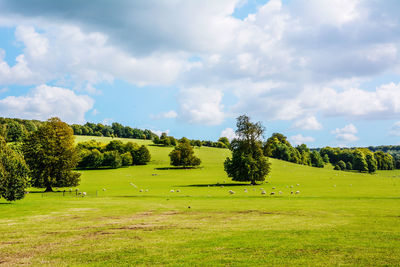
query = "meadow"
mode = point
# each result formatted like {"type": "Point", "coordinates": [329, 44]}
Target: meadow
{"type": "Point", "coordinates": [338, 218]}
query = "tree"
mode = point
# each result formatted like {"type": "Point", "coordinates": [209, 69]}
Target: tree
{"type": "Point", "coordinates": [112, 159]}
{"type": "Point", "coordinates": [349, 166]}
{"type": "Point", "coordinates": [341, 165]}
{"type": "Point", "coordinates": [359, 162]}
{"type": "Point", "coordinates": [225, 141]}
{"type": "Point", "coordinates": [183, 155]}
{"type": "Point", "coordinates": [141, 156]}
{"type": "Point", "coordinates": [248, 162]}
{"type": "Point", "coordinates": [126, 159]}
{"type": "Point", "coordinates": [13, 173]}
{"type": "Point", "coordinates": [371, 162]}
{"type": "Point", "coordinates": [317, 161]}
{"type": "Point", "coordinates": [51, 156]}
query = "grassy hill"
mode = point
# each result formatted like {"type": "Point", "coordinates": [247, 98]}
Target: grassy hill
{"type": "Point", "coordinates": [338, 218]}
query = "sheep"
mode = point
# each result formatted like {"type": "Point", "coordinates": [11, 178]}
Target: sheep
{"type": "Point", "coordinates": [261, 189]}
{"type": "Point", "coordinates": [83, 194]}
{"type": "Point", "coordinates": [297, 192]}
{"type": "Point", "coordinates": [263, 192]}
{"type": "Point", "coordinates": [177, 190]}
{"type": "Point", "coordinates": [147, 190]}
{"type": "Point", "coordinates": [291, 186]}
{"type": "Point", "coordinates": [222, 186]}
{"type": "Point", "coordinates": [273, 187]}
{"type": "Point", "coordinates": [334, 185]}
{"type": "Point", "coordinates": [291, 192]}
{"type": "Point", "coordinates": [231, 192]}
{"type": "Point", "coordinates": [104, 189]}
{"type": "Point", "coordinates": [297, 184]}
{"type": "Point", "coordinates": [245, 190]}
{"type": "Point", "coordinates": [280, 192]}
{"type": "Point", "coordinates": [70, 190]}
{"type": "Point", "coordinates": [272, 193]}
{"type": "Point", "coordinates": [254, 189]}
{"type": "Point", "coordinates": [172, 190]}
{"type": "Point", "coordinates": [141, 190]}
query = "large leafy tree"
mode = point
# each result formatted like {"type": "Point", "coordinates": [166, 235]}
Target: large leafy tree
{"type": "Point", "coordinates": [183, 155]}
{"type": "Point", "coordinates": [13, 173]}
{"type": "Point", "coordinates": [248, 162]}
{"type": "Point", "coordinates": [50, 154]}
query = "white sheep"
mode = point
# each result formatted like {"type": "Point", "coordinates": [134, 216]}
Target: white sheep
{"type": "Point", "coordinates": [104, 189]}
{"type": "Point", "coordinates": [231, 192]}
{"type": "Point", "coordinates": [263, 192]}
{"type": "Point", "coordinates": [297, 184]}
{"type": "Point", "coordinates": [291, 186]}
{"type": "Point", "coordinates": [83, 194]}
{"type": "Point", "coordinates": [297, 192]}
{"type": "Point", "coordinates": [172, 190]}
{"type": "Point", "coordinates": [141, 190]}
{"type": "Point", "coordinates": [280, 192]}
{"type": "Point", "coordinates": [245, 190]}
{"type": "Point", "coordinates": [147, 190]}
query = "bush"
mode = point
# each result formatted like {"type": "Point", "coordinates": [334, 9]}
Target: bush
{"type": "Point", "coordinates": [112, 159]}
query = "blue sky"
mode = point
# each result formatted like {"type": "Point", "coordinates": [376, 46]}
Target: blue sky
{"type": "Point", "coordinates": [321, 72]}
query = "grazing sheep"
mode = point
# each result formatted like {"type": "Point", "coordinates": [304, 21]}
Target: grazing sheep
{"type": "Point", "coordinates": [297, 184]}
{"type": "Point", "coordinates": [261, 189]}
{"type": "Point", "coordinates": [291, 186]}
{"type": "Point", "coordinates": [80, 193]}
{"type": "Point", "coordinates": [224, 181]}
{"type": "Point", "coordinates": [297, 192]}
{"type": "Point", "coordinates": [154, 174]}
{"type": "Point", "coordinates": [177, 190]}
{"type": "Point", "coordinates": [147, 190]}
{"type": "Point", "coordinates": [263, 192]}
{"type": "Point", "coordinates": [104, 189]}
{"type": "Point", "coordinates": [273, 187]}
{"type": "Point", "coordinates": [272, 193]}
{"type": "Point", "coordinates": [222, 186]}
{"type": "Point", "coordinates": [254, 189]}
{"type": "Point", "coordinates": [291, 193]}
{"type": "Point", "coordinates": [70, 190]}
{"type": "Point", "coordinates": [172, 190]}
{"type": "Point", "coordinates": [245, 190]}
{"type": "Point", "coordinates": [280, 192]}
{"type": "Point", "coordinates": [231, 192]}
{"type": "Point", "coordinates": [83, 194]}
{"type": "Point", "coordinates": [141, 190]}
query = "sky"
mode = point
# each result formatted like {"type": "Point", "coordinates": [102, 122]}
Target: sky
{"type": "Point", "coordinates": [322, 72]}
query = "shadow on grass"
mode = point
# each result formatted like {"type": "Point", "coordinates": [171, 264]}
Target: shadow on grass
{"type": "Point", "coordinates": [177, 168]}
{"type": "Point", "coordinates": [209, 185]}
{"type": "Point", "coordinates": [6, 203]}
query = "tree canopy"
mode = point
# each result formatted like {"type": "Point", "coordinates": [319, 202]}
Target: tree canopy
{"type": "Point", "coordinates": [248, 162]}
{"type": "Point", "coordinates": [13, 173]}
{"type": "Point", "coordinates": [183, 155]}
{"type": "Point", "coordinates": [51, 156]}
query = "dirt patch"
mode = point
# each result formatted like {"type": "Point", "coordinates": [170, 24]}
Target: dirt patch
{"type": "Point", "coordinates": [260, 212]}
{"type": "Point", "coordinates": [144, 227]}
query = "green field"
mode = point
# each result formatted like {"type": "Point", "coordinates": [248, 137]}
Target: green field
{"type": "Point", "coordinates": [338, 218]}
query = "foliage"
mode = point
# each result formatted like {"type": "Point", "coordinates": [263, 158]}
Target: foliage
{"type": "Point", "coordinates": [341, 165]}
{"type": "Point", "coordinates": [13, 173]}
{"type": "Point", "coordinates": [112, 159]}
{"type": "Point", "coordinates": [183, 155]}
{"type": "Point", "coordinates": [51, 155]}
{"type": "Point", "coordinates": [248, 162]}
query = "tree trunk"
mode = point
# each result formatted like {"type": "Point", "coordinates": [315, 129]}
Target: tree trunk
{"type": "Point", "coordinates": [49, 189]}
{"type": "Point", "coordinates": [253, 183]}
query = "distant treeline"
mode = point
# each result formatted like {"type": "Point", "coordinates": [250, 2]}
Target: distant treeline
{"type": "Point", "coordinates": [360, 159]}
{"type": "Point", "coordinates": [165, 140]}
{"type": "Point", "coordinates": [15, 130]}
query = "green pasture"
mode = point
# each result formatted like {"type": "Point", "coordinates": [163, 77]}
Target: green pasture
{"type": "Point", "coordinates": [337, 218]}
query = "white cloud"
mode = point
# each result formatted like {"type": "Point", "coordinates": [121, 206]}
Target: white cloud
{"type": "Point", "coordinates": [327, 47]}
{"type": "Point", "coordinates": [201, 105]}
{"type": "Point", "coordinates": [308, 123]}
{"type": "Point", "coordinates": [44, 102]}
{"type": "Point", "coordinates": [346, 134]}
{"type": "Point", "coordinates": [300, 139]}
{"type": "Point", "coordinates": [395, 129]}
{"type": "Point", "coordinates": [228, 133]}
{"type": "Point", "coordinates": [165, 115]}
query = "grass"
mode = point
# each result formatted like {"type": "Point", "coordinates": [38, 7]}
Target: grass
{"type": "Point", "coordinates": [339, 218]}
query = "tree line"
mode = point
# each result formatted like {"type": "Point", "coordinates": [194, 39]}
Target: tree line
{"type": "Point", "coordinates": [165, 140]}
{"type": "Point", "coordinates": [15, 130]}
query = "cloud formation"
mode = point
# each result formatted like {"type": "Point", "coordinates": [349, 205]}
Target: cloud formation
{"type": "Point", "coordinates": [287, 61]}
{"type": "Point", "coordinates": [44, 102]}
{"type": "Point", "coordinates": [346, 134]}
{"type": "Point", "coordinates": [300, 139]}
